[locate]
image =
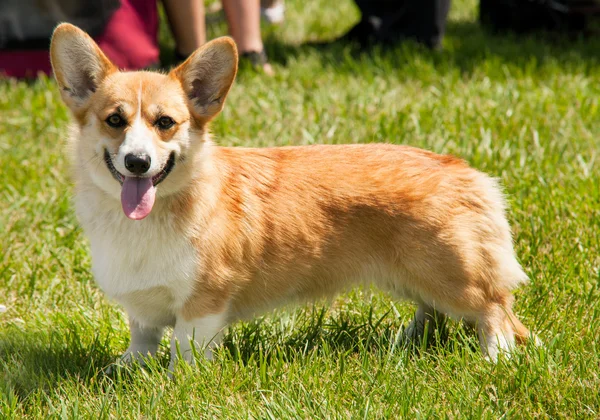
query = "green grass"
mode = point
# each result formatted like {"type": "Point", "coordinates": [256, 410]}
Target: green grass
{"type": "Point", "coordinates": [525, 110]}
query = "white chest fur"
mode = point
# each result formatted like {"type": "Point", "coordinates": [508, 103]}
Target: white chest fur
{"type": "Point", "coordinates": [148, 266]}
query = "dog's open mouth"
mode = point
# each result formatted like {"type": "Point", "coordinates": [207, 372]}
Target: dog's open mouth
{"type": "Point", "coordinates": [138, 193]}
{"type": "Point", "coordinates": [156, 179]}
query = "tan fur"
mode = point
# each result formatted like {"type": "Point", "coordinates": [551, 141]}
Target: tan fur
{"type": "Point", "coordinates": [274, 225]}
{"type": "Point", "coordinates": [400, 211]}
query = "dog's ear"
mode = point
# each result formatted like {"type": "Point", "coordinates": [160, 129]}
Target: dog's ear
{"type": "Point", "coordinates": [207, 76]}
{"type": "Point", "coordinates": [78, 63]}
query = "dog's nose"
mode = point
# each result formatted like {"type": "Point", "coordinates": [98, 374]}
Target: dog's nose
{"type": "Point", "coordinates": [137, 164]}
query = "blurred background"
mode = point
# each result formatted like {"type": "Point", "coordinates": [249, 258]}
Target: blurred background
{"type": "Point", "coordinates": [521, 105]}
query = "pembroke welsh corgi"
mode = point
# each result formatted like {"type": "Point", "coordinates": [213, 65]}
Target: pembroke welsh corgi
{"type": "Point", "coordinates": [191, 235]}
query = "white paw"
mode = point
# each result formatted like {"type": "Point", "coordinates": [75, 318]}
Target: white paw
{"type": "Point", "coordinates": [133, 354]}
{"type": "Point", "coordinates": [413, 333]}
{"type": "Point", "coordinates": [189, 356]}
{"type": "Point", "coordinates": [127, 359]}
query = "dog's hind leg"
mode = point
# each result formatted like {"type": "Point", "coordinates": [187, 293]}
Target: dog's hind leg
{"type": "Point", "coordinates": [423, 326]}
{"type": "Point", "coordinates": [499, 330]}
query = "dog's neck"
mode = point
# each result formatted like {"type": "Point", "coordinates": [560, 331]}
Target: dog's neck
{"type": "Point", "coordinates": [190, 191]}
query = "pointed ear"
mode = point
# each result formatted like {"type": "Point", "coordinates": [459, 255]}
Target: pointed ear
{"type": "Point", "coordinates": [78, 63]}
{"type": "Point", "coordinates": [207, 76]}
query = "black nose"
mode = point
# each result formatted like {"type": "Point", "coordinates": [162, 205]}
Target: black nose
{"type": "Point", "coordinates": [137, 164]}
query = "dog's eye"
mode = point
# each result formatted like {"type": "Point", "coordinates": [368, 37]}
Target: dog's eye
{"type": "Point", "coordinates": [116, 121]}
{"type": "Point", "coordinates": [164, 123]}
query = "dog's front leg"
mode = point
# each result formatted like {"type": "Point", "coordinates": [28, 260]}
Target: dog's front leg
{"type": "Point", "coordinates": [144, 342]}
{"type": "Point", "coordinates": [196, 335]}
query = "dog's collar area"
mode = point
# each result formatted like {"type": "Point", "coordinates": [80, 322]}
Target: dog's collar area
{"type": "Point", "coordinates": [156, 179]}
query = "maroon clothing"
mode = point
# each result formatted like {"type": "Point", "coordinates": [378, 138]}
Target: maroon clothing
{"type": "Point", "coordinates": [129, 40]}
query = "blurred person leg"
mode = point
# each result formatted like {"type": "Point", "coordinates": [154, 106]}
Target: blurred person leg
{"type": "Point", "coordinates": [243, 17]}
{"type": "Point", "coordinates": [187, 22]}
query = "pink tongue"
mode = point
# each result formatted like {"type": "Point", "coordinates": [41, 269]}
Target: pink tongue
{"type": "Point", "coordinates": [137, 197]}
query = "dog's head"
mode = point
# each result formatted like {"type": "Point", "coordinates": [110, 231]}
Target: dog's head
{"type": "Point", "coordinates": [137, 129]}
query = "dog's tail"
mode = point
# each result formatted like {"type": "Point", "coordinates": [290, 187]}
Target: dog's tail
{"type": "Point", "coordinates": [522, 333]}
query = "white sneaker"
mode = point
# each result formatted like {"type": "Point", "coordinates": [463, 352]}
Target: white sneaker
{"type": "Point", "coordinates": [272, 11]}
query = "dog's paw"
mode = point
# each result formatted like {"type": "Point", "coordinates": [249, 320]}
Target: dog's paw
{"type": "Point", "coordinates": [111, 370]}
{"type": "Point", "coordinates": [127, 360]}
{"type": "Point", "coordinates": [413, 334]}
{"type": "Point", "coordinates": [421, 335]}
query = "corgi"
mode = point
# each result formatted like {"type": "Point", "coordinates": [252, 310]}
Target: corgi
{"type": "Point", "coordinates": [194, 236]}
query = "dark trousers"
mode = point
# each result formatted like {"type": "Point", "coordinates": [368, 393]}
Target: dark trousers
{"type": "Point", "coordinates": [389, 21]}
{"type": "Point", "coordinates": [522, 16]}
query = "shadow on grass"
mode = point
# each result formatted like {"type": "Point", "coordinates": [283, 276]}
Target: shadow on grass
{"type": "Point", "coordinates": [40, 361]}
{"type": "Point", "coordinates": [342, 334]}
{"type": "Point", "coordinates": [32, 361]}
{"type": "Point", "coordinates": [471, 44]}
{"type": "Point", "coordinates": [466, 46]}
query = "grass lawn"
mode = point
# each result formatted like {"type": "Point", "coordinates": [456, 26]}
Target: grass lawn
{"type": "Point", "coordinates": [524, 110]}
